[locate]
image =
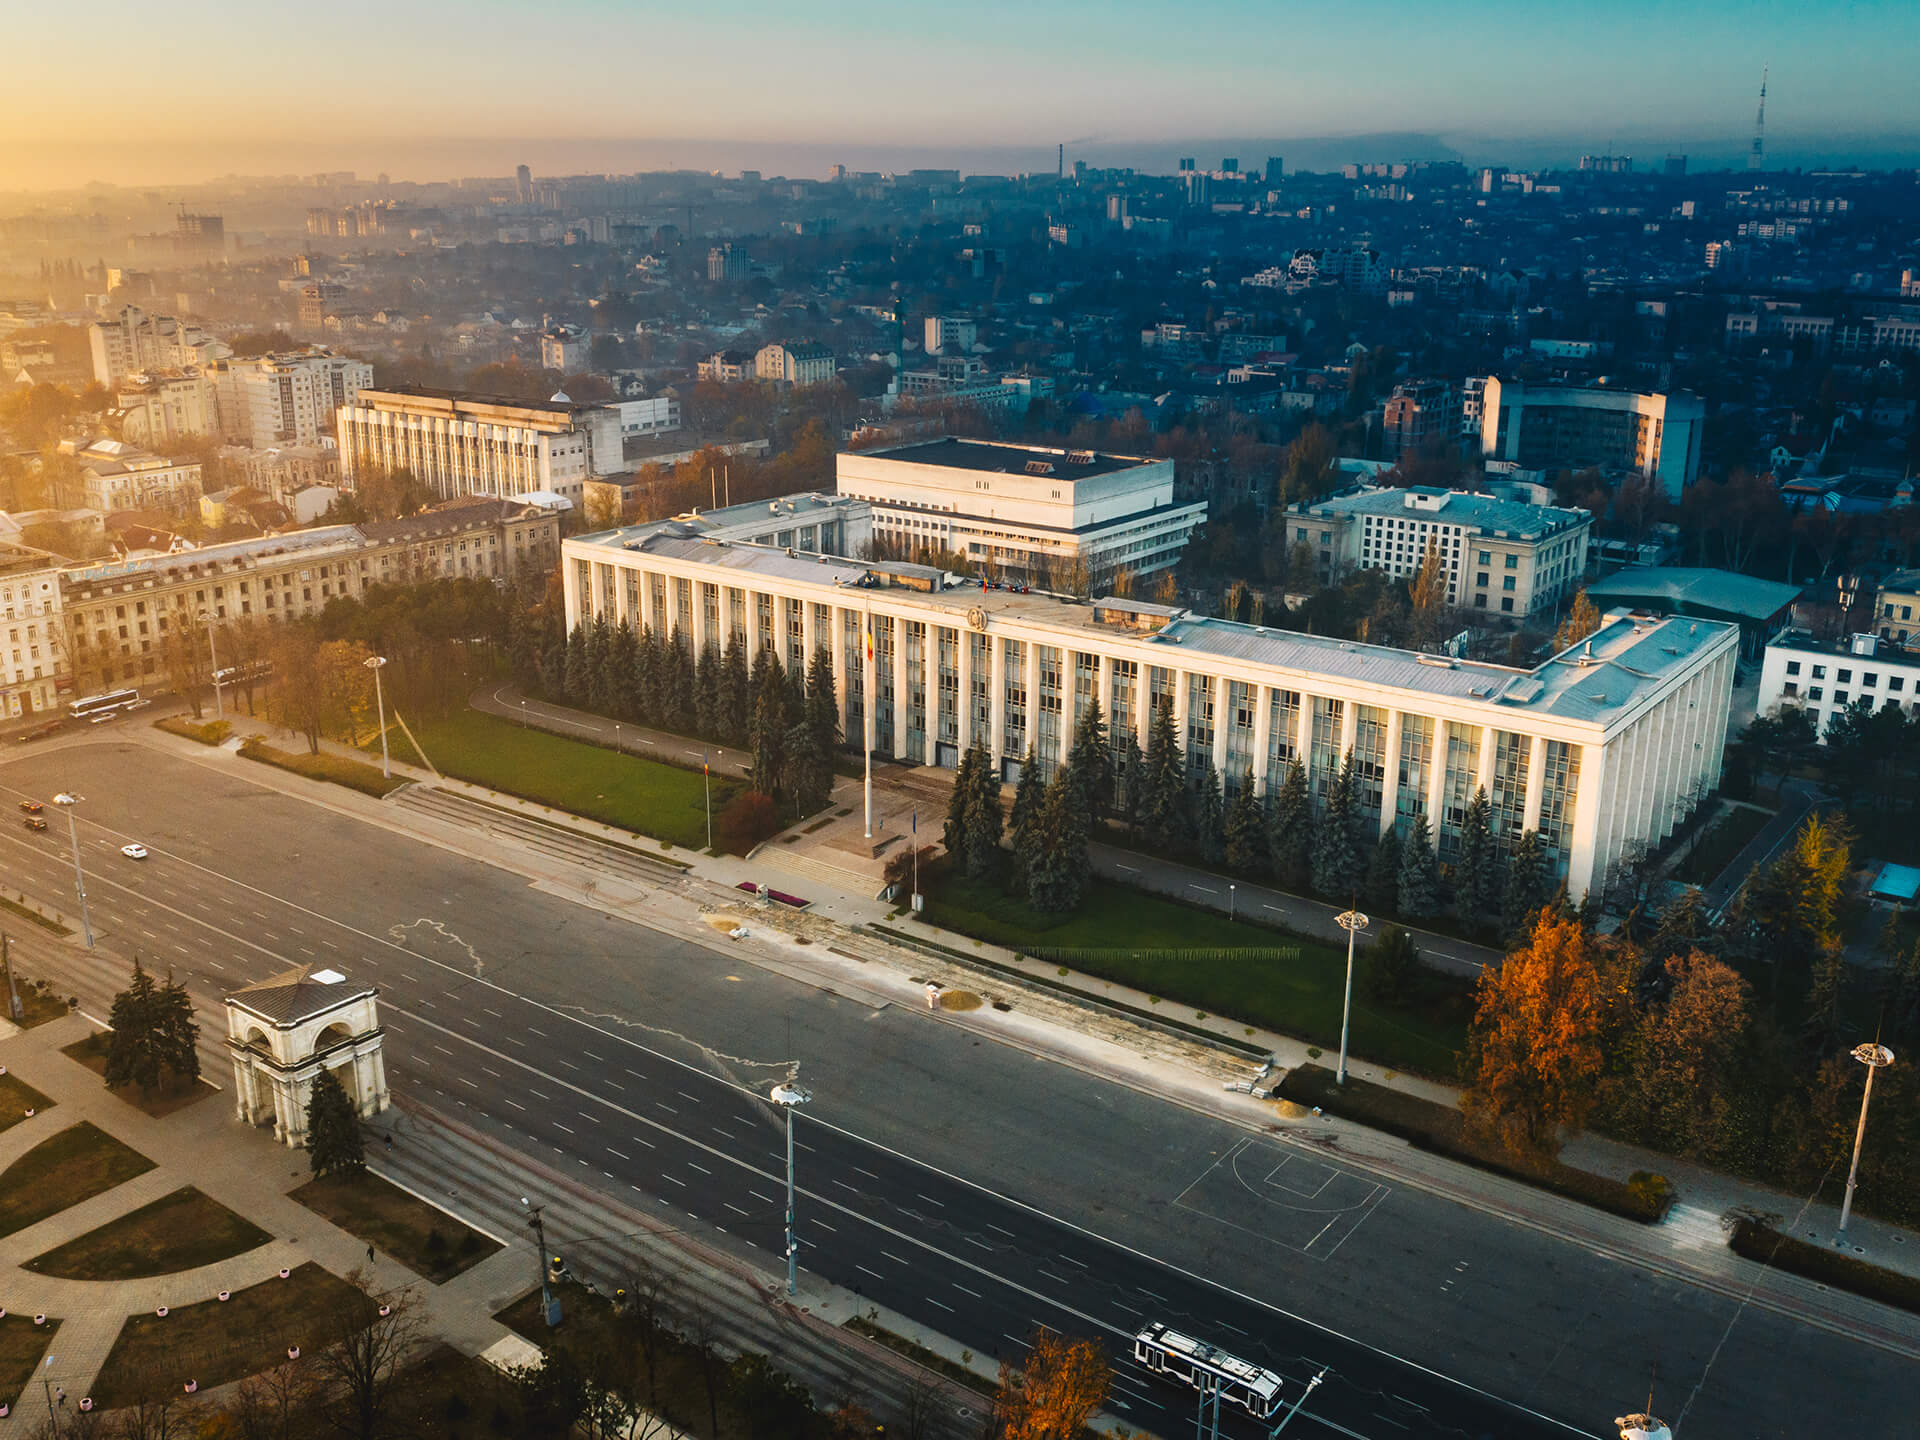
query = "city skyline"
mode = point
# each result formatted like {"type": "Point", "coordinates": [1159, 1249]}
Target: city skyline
{"type": "Point", "coordinates": [643, 87]}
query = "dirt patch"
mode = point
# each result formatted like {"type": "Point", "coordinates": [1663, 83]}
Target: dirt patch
{"type": "Point", "coordinates": [960, 1000]}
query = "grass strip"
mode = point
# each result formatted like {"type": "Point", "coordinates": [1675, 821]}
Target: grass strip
{"type": "Point", "coordinates": [920, 1355]}
{"type": "Point", "coordinates": [1444, 1131]}
{"type": "Point", "coordinates": [22, 1343]}
{"type": "Point", "coordinates": [633, 792]}
{"type": "Point", "coordinates": [426, 1240]}
{"type": "Point", "coordinates": [34, 917]}
{"type": "Point", "coordinates": [179, 1231]}
{"type": "Point", "coordinates": [16, 1099]}
{"type": "Point", "coordinates": [367, 779]}
{"type": "Point", "coordinates": [78, 1163]}
{"type": "Point", "coordinates": [216, 1341]}
{"type": "Point", "coordinates": [1825, 1265]}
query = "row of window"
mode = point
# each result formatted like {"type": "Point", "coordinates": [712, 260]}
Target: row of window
{"type": "Point", "coordinates": [1843, 675]}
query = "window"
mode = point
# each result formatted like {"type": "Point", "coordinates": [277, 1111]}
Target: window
{"type": "Point", "coordinates": [1816, 692]}
{"type": "Point", "coordinates": [1513, 562]}
{"type": "Point", "coordinates": [1506, 582]}
{"type": "Point", "coordinates": [1793, 667]}
{"type": "Point", "coordinates": [1479, 602]}
{"type": "Point", "coordinates": [1896, 683]}
{"type": "Point", "coordinates": [1869, 680]}
{"type": "Point", "coordinates": [1481, 580]}
{"type": "Point", "coordinates": [1845, 677]}
{"type": "Point", "coordinates": [1790, 688]}
{"type": "Point", "coordinates": [1819, 672]}
{"type": "Point", "coordinates": [1486, 557]}
{"type": "Point", "coordinates": [1506, 603]}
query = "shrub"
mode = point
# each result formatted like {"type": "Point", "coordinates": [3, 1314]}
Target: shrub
{"type": "Point", "coordinates": [1818, 1263]}
{"type": "Point", "coordinates": [1655, 1192]}
{"type": "Point", "coordinates": [750, 817]}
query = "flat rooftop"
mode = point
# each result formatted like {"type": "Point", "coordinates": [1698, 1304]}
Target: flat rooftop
{"type": "Point", "coordinates": [441, 397]}
{"type": "Point", "coordinates": [1503, 518]}
{"type": "Point", "coordinates": [953, 453]}
{"type": "Point", "coordinates": [1723, 591]}
{"type": "Point", "coordinates": [1631, 654]}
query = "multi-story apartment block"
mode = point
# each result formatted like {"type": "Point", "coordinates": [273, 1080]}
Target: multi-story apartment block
{"type": "Point", "coordinates": [33, 663]}
{"type": "Point", "coordinates": [158, 407]}
{"type": "Point", "coordinates": [563, 348]}
{"type": "Point", "coordinates": [285, 399]}
{"type": "Point", "coordinates": [318, 300]}
{"type": "Point", "coordinates": [655, 415]}
{"type": "Point", "coordinates": [118, 614]}
{"type": "Point", "coordinates": [954, 333]}
{"type": "Point", "coordinates": [727, 366]}
{"type": "Point", "coordinates": [1600, 749]}
{"type": "Point", "coordinates": [1472, 395]}
{"type": "Point", "coordinates": [1418, 411]}
{"type": "Point", "coordinates": [1823, 677]}
{"type": "Point", "coordinates": [1898, 608]}
{"type": "Point", "coordinates": [1500, 556]}
{"type": "Point", "coordinates": [1024, 510]}
{"type": "Point", "coordinates": [728, 262]}
{"type": "Point", "coordinates": [120, 476]}
{"type": "Point", "coordinates": [800, 363]}
{"type": "Point", "coordinates": [1548, 427]}
{"type": "Point", "coordinates": [132, 340]}
{"type": "Point", "coordinates": [459, 443]}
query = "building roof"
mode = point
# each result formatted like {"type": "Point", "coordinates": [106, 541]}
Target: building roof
{"type": "Point", "coordinates": [954, 453]}
{"type": "Point", "coordinates": [1504, 519]}
{"type": "Point", "coordinates": [1714, 593]}
{"type": "Point", "coordinates": [299, 995]}
{"type": "Point", "coordinates": [445, 519]}
{"type": "Point", "coordinates": [324, 537]}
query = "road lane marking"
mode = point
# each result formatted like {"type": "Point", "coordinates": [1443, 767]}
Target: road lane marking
{"type": "Point", "coordinates": [701, 1168]}
{"type": "Point", "coordinates": [558, 1126]}
{"type": "Point", "coordinates": [864, 1271]}
{"type": "Point", "coordinates": [931, 1301]}
{"type": "Point", "coordinates": [617, 1155]}
{"type": "Point", "coordinates": [930, 1200]}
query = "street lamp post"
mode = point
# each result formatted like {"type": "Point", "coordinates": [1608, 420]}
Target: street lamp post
{"type": "Point", "coordinates": [376, 663]}
{"type": "Point", "coordinates": [790, 1095]}
{"type": "Point", "coordinates": [1230, 897]}
{"type": "Point", "coordinates": [213, 659]}
{"type": "Point", "coordinates": [549, 1303]}
{"type": "Point", "coordinates": [68, 801]}
{"type": "Point", "coordinates": [1353, 922]}
{"type": "Point", "coordinates": [1875, 1057]}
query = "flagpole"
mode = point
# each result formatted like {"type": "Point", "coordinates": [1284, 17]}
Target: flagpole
{"type": "Point", "coordinates": [706, 779]}
{"type": "Point", "coordinates": [866, 711]}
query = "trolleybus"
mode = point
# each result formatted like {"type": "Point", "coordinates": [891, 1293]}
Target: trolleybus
{"type": "Point", "coordinates": [1208, 1368]}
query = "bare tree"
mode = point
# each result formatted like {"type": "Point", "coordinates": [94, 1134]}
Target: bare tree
{"type": "Point", "coordinates": [273, 1404]}
{"type": "Point", "coordinates": [703, 1331]}
{"type": "Point", "coordinates": [372, 1337]}
{"type": "Point", "coordinates": [921, 1407]}
{"type": "Point", "coordinates": [644, 1311]}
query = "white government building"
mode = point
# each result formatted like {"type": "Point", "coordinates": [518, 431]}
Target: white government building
{"type": "Point", "coordinates": [1610, 744]}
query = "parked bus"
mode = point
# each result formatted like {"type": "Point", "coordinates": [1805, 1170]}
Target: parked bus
{"type": "Point", "coordinates": [1208, 1368]}
{"type": "Point", "coordinates": [112, 702]}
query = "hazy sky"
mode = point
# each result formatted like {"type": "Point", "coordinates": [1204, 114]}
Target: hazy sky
{"type": "Point", "coordinates": [101, 90]}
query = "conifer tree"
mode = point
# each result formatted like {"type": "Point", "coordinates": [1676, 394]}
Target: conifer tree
{"type": "Point", "coordinates": [769, 731]}
{"type": "Point", "coordinates": [823, 705]}
{"type": "Point", "coordinates": [1163, 809]}
{"type": "Point", "coordinates": [1338, 866]}
{"type": "Point", "coordinates": [1246, 837]}
{"type": "Point", "coordinates": [334, 1144]}
{"type": "Point", "coordinates": [623, 659]}
{"type": "Point", "coordinates": [1529, 885]}
{"type": "Point", "coordinates": [984, 820]}
{"type": "Point", "coordinates": [709, 697]}
{"type": "Point", "coordinates": [1290, 831]}
{"type": "Point", "coordinates": [135, 1053]}
{"type": "Point", "coordinates": [649, 683]}
{"type": "Point", "coordinates": [1419, 889]}
{"type": "Point", "coordinates": [576, 669]}
{"type": "Point", "coordinates": [1091, 763]}
{"type": "Point", "coordinates": [1129, 773]}
{"type": "Point", "coordinates": [1057, 878]}
{"type": "Point", "coordinates": [1382, 885]}
{"type": "Point", "coordinates": [176, 1032]}
{"type": "Point", "coordinates": [600, 666]}
{"type": "Point", "coordinates": [679, 703]}
{"type": "Point", "coordinates": [1209, 816]}
{"type": "Point", "coordinates": [1476, 874]}
{"type": "Point", "coordinates": [736, 694]}
{"type": "Point", "coordinates": [954, 833]}
{"type": "Point", "coordinates": [1023, 821]}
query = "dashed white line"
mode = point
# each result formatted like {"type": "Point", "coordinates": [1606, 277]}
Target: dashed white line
{"type": "Point", "coordinates": [701, 1168]}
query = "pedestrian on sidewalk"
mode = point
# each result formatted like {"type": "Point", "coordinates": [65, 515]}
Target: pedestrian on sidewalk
{"type": "Point", "coordinates": [369, 1255]}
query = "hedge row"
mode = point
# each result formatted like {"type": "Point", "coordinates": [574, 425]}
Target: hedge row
{"type": "Point", "coordinates": [211, 732]}
{"type": "Point", "coordinates": [1443, 1130]}
{"type": "Point", "coordinates": [1825, 1265]}
{"type": "Point", "coordinates": [365, 778]}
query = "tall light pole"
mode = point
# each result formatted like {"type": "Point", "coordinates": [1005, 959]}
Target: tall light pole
{"type": "Point", "coordinates": [213, 659]}
{"type": "Point", "coordinates": [1353, 922]}
{"type": "Point", "coordinates": [79, 876]}
{"type": "Point", "coordinates": [790, 1095]}
{"type": "Point", "coordinates": [376, 663]}
{"type": "Point", "coordinates": [1875, 1057]}
{"type": "Point", "coordinates": [549, 1303]}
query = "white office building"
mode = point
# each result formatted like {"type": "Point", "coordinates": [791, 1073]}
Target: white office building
{"type": "Point", "coordinates": [950, 334]}
{"type": "Point", "coordinates": [1551, 427]}
{"type": "Point", "coordinates": [1598, 749]}
{"type": "Point", "coordinates": [1025, 511]}
{"type": "Point", "coordinates": [1501, 556]}
{"type": "Point", "coordinates": [460, 443]}
{"type": "Point", "coordinates": [1823, 677]}
{"type": "Point", "coordinates": [33, 661]}
{"type": "Point", "coordinates": [285, 399]}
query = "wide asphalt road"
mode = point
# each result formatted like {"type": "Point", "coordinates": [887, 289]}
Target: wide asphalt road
{"type": "Point", "coordinates": [637, 1057]}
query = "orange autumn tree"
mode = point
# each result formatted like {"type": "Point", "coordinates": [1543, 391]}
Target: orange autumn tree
{"type": "Point", "coordinates": [1057, 1391]}
{"type": "Point", "coordinates": [1536, 1052]}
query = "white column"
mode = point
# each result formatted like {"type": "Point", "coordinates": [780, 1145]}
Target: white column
{"type": "Point", "coordinates": [1582, 853]}
{"type": "Point", "coordinates": [1222, 715]}
{"type": "Point", "coordinates": [809, 629]}
{"type": "Point", "coordinates": [1032, 668]}
{"type": "Point", "coordinates": [997, 700]}
{"type": "Point", "coordinates": [1349, 723]}
{"type": "Point", "coordinates": [930, 679]}
{"type": "Point", "coordinates": [1536, 784]}
{"type": "Point", "coordinates": [1104, 689]}
{"type": "Point", "coordinates": [1180, 717]}
{"type": "Point", "coordinates": [899, 746]}
{"type": "Point", "coordinates": [1303, 733]}
{"type": "Point", "coordinates": [1262, 736]}
{"type": "Point", "coordinates": [1143, 704]}
{"type": "Point", "coordinates": [1437, 779]}
{"type": "Point", "coordinates": [1390, 772]}
{"type": "Point", "coordinates": [1483, 775]}
{"type": "Point", "coordinates": [964, 660]}
{"type": "Point", "coordinates": [868, 685]}
{"type": "Point", "coordinates": [837, 647]}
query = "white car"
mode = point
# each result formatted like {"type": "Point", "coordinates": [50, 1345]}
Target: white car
{"type": "Point", "coordinates": [135, 851]}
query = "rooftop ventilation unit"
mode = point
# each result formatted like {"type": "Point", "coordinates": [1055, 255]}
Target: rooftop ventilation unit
{"type": "Point", "coordinates": [1039, 467]}
{"type": "Point", "coordinates": [1080, 457]}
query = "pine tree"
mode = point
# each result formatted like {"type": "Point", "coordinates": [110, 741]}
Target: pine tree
{"type": "Point", "coordinates": [806, 778]}
{"type": "Point", "coordinates": [1209, 816]}
{"type": "Point", "coordinates": [1290, 831]}
{"type": "Point", "coordinates": [576, 680]}
{"type": "Point", "coordinates": [1057, 876]}
{"type": "Point", "coordinates": [984, 821]}
{"type": "Point", "coordinates": [1337, 864]}
{"type": "Point", "coordinates": [1091, 763]}
{"type": "Point", "coordinates": [1129, 776]}
{"type": "Point", "coordinates": [679, 701]}
{"type": "Point", "coordinates": [648, 681]}
{"type": "Point", "coordinates": [1821, 1026]}
{"type": "Point", "coordinates": [1419, 889]}
{"type": "Point", "coordinates": [135, 1054]}
{"type": "Point", "coordinates": [623, 659]}
{"type": "Point", "coordinates": [1529, 885]}
{"type": "Point", "coordinates": [334, 1145]}
{"type": "Point", "coordinates": [1246, 830]}
{"type": "Point", "coordinates": [1164, 811]}
{"type": "Point", "coordinates": [1476, 874]}
{"type": "Point", "coordinates": [600, 667]}
{"type": "Point", "coordinates": [709, 684]}
{"type": "Point", "coordinates": [1382, 885]}
{"type": "Point", "coordinates": [176, 1032]}
{"type": "Point", "coordinates": [954, 834]}
{"type": "Point", "coordinates": [736, 694]}
{"type": "Point", "coordinates": [823, 705]}
{"type": "Point", "coordinates": [1023, 821]}
{"type": "Point", "coordinates": [770, 722]}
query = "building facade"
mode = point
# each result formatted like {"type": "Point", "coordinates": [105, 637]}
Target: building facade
{"type": "Point", "coordinates": [1823, 677]}
{"type": "Point", "coordinates": [120, 476]}
{"type": "Point", "coordinates": [33, 665]}
{"type": "Point", "coordinates": [118, 614]}
{"type": "Point", "coordinates": [1555, 427]}
{"type": "Point", "coordinates": [458, 443]}
{"type": "Point", "coordinates": [131, 340]}
{"type": "Point", "coordinates": [285, 399]}
{"type": "Point", "coordinates": [794, 364]}
{"type": "Point", "coordinates": [1419, 411]}
{"type": "Point", "coordinates": [1602, 748]}
{"type": "Point", "coordinates": [563, 348]}
{"type": "Point", "coordinates": [1500, 556]}
{"type": "Point", "coordinates": [1023, 510]}
{"type": "Point", "coordinates": [157, 407]}
{"type": "Point", "coordinates": [1898, 608]}
{"type": "Point", "coordinates": [950, 334]}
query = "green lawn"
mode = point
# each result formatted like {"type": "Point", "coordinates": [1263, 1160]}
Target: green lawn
{"type": "Point", "coordinates": [180, 1231]}
{"type": "Point", "coordinates": [629, 791]}
{"type": "Point", "coordinates": [77, 1164]}
{"type": "Point", "coordinates": [22, 1343]}
{"type": "Point", "coordinates": [16, 1098]}
{"type": "Point", "coordinates": [422, 1238]}
{"type": "Point", "coordinates": [1298, 995]}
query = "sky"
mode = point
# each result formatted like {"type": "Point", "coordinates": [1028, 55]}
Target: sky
{"type": "Point", "coordinates": [128, 92]}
